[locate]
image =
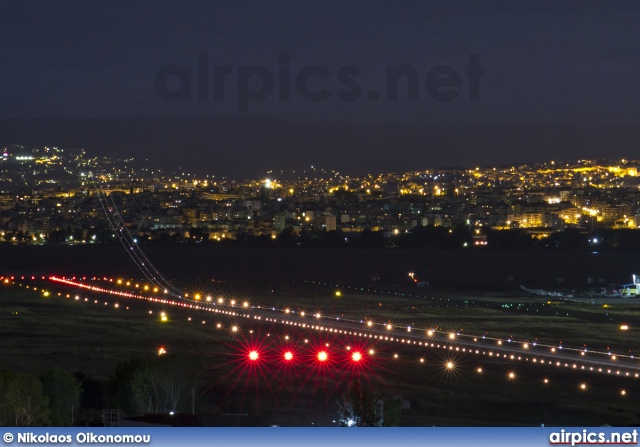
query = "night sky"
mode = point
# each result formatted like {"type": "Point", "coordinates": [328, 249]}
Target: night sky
{"type": "Point", "coordinates": [573, 63]}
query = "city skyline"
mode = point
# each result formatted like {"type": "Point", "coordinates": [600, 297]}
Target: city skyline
{"type": "Point", "coordinates": [52, 194]}
{"type": "Point", "coordinates": [242, 146]}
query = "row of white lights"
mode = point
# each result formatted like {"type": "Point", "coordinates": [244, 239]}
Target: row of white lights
{"type": "Point", "coordinates": [452, 336]}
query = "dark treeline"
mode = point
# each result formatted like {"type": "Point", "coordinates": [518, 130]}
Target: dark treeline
{"type": "Point", "coordinates": [419, 237]}
{"type": "Point", "coordinates": [161, 385]}
{"type": "Point", "coordinates": [51, 399]}
{"type": "Point", "coordinates": [457, 238]}
{"type": "Point", "coordinates": [171, 389]}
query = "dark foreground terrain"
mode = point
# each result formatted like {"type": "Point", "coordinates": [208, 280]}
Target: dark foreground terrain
{"type": "Point", "coordinates": [38, 332]}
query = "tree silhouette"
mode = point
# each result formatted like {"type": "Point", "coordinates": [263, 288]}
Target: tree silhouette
{"type": "Point", "coordinates": [357, 407]}
{"type": "Point", "coordinates": [22, 402]}
{"type": "Point", "coordinates": [63, 391]}
{"type": "Point", "coordinates": [164, 384]}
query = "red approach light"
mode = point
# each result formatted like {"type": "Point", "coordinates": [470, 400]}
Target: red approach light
{"type": "Point", "coordinates": [288, 356]}
{"type": "Point", "coordinates": [322, 356]}
{"type": "Point", "coordinates": [356, 357]}
{"type": "Point", "coordinates": [253, 355]}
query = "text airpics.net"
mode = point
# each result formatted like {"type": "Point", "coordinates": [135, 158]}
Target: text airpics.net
{"type": "Point", "coordinates": [593, 437]}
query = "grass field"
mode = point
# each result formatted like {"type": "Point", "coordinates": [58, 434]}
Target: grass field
{"type": "Point", "coordinates": [38, 332]}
